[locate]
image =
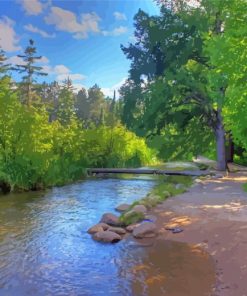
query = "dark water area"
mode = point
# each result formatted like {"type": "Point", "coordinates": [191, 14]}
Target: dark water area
{"type": "Point", "coordinates": [45, 250]}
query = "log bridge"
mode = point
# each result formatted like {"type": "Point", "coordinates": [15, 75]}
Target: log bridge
{"type": "Point", "coordinates": [195, 173]}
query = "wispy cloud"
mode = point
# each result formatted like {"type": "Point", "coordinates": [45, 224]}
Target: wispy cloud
{"type": "Point", "coordinates": [15, 60]}
{"type": "Point", "coordinates": [62, 72]}
{"type": "Point", "coordinates": [32, 7]}
{"type": "Point", "coordinates": [109, 91]}
{"type": "Point", "coordinates": [9, 40]}
{"type": "Point", "coordinates": [87, 23]}
{"type": "Point", "coordinates": [119, 16]}
{"type": "Point", "coordinates": [65, 20]}
{"type": "Point", "coordinates": [116, 32]}
{"type": "Point", "coordinates": [33, 29]}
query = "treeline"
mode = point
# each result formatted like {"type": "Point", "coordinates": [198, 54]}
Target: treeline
{"type": "Point", "coordinates": [49, 133]}
{"type": "Point", "coordinates": [186, 90]}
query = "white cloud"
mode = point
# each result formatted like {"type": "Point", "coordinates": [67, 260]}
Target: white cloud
{"type": "Point", "coordinates": [78, 86]}
{"type": "Point", "coordinates": [73, 77]}
{"type": "Point", "coordinates": [15, 60]}
{"type": "Point", "coordinates": [109, 91]}
{"type": "Point", "coordinates": [62, 72]}
{"type": "Point", "coordinates": [119, 16]}
{"type": "Point", "coordinates": [116, 32]}
{"type": "Point", "coordinates": [65, 20]}
{"type": "Point", "coordinates": [8, 37]}
{"type": "Point", "coordinates": [44, 60]}
{"type": "Point", "coordinates": [47, 69]}
{"type": "Point", "coordinates": [33, 29]}
{"type": "Point", "coordinates": [61, 69]}
{"type": "Point", "coordinates": [32, 7]}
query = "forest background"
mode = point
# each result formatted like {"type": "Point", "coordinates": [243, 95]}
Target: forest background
{"type": "Point", "coordinates": [185, 96]}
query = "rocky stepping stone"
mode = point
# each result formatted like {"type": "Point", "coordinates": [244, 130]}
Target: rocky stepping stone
{"type": "Point", "coordinates": [145, 230]}
{"type": "Point", "coordinates": [117, 230]}
{"type": "Point", "coordinates": [98, 227]}
{"type": "Point", "coordinates": [122, 208]}
{"type": "Point", "coordinates": [110, 219]}
{"type": "Point", "coordinates": [107, 237]}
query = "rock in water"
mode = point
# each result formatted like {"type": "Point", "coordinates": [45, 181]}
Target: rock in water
{"type": "Point", "coordinates": [110, 219]}
{"type": "Point", "coordinates": [139, 209]}
{"type": "Point", "coordinates": [107, 237]}
{"type": "Point", "coordinates": [131, 227]}
{"type": "Point", "coordinates": [145, 229]}
{"type": "Point", "coordinates": [122, 208]}
{"type": "Point", "coordinates": [97, 228]}
{"type": "Point", "coordinates": [117, 230]}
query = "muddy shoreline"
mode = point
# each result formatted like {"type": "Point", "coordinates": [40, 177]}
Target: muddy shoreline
{"type": "Point", "coordinates": [213, 215]}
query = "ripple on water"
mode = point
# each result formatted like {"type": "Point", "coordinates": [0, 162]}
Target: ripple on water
{"type": "Point", "coordinates": [45, 250]}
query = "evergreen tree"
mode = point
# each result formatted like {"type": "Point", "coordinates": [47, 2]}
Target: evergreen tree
{"type": "Point", "coordinates": [30, 70]}
{"type": "Point", "coordinates": [96, 103]}
{"type": "Point", "coordinates": [3, 66]}
{"type": "Point", "coordinates": [66, 103]}
{"type": "Point", "coordinates": [82, 105]}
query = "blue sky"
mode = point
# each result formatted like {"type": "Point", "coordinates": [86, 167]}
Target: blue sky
{"type": "Point", "coordinates": [80, 39]}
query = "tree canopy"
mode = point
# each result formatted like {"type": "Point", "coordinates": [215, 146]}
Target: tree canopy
{"type": "Point", "coordinates": [176, 76]}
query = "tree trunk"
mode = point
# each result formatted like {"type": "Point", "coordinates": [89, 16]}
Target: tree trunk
{"type": "Point", "coordinates": [229, 148]}
{"type": "Point", "coordinates": [220, 142]}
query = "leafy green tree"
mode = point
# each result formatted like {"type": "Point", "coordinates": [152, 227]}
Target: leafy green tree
{"type": "Point", "coordinates": [181, 80]}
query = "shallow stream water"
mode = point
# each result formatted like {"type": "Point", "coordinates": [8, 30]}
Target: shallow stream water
{"type": "Point", "coordinates": [45, 249]}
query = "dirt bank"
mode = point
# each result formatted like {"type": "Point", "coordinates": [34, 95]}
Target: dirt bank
{"type": "Point", "coordinates": [213, 215]}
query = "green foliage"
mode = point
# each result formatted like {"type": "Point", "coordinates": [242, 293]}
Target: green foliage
{"type": "Point", "coordinates": [131, 217]}
{"type": "Point", "coordinates": [170, 186]}
{"type": "Point", "coordinates": [36, 153]}
{"type": "Point", "coordinates": [188, 66]}
{"type": "Point", "coordinates": [29, 69]}
{"type": "Point", "coordinates": [245, 187]}
{"type": "Point", "coordinates": [116, 147]}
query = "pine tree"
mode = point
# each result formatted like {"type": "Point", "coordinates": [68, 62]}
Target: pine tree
{"type": "Point", "coordinates": [30, 70]}
{"type": "Point", "coordinates": [66, 103]}
{"type": "Point", "coordinates": [3, 66]}
{"type": "Point", "coordinates": [82, 105]}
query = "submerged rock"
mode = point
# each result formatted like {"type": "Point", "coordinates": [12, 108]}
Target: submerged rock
{"type": "Point", "coordinates": [110, 219]}
{"type": "Point", "coordinates": [107, 237]}
{"type": "Point", "coordinates": [122, 208]}
{"type": "Point", "coordinates": [145, 229]}
{"type": "Point", "coordinates": [117, 230]}
{"type": "Point", "coordinates": [98, 227]}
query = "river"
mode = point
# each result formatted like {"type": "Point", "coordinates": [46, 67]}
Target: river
{"type": "Point", "coordinates": [45, 249]}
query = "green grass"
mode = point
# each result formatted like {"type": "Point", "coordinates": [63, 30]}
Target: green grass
{"type": "Point", "coordinates": [131, 218]}
{"type": "Point", "coordinates": [245, 187]}
{"type": "Point", "coordinates": [165, 188]}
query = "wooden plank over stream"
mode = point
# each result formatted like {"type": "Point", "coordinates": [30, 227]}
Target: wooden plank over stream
{"type": "Point", "coordinates": [196, 173]}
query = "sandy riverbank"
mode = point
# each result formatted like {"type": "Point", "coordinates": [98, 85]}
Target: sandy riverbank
{"type": "Point", "coordinates": [213, 215]}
